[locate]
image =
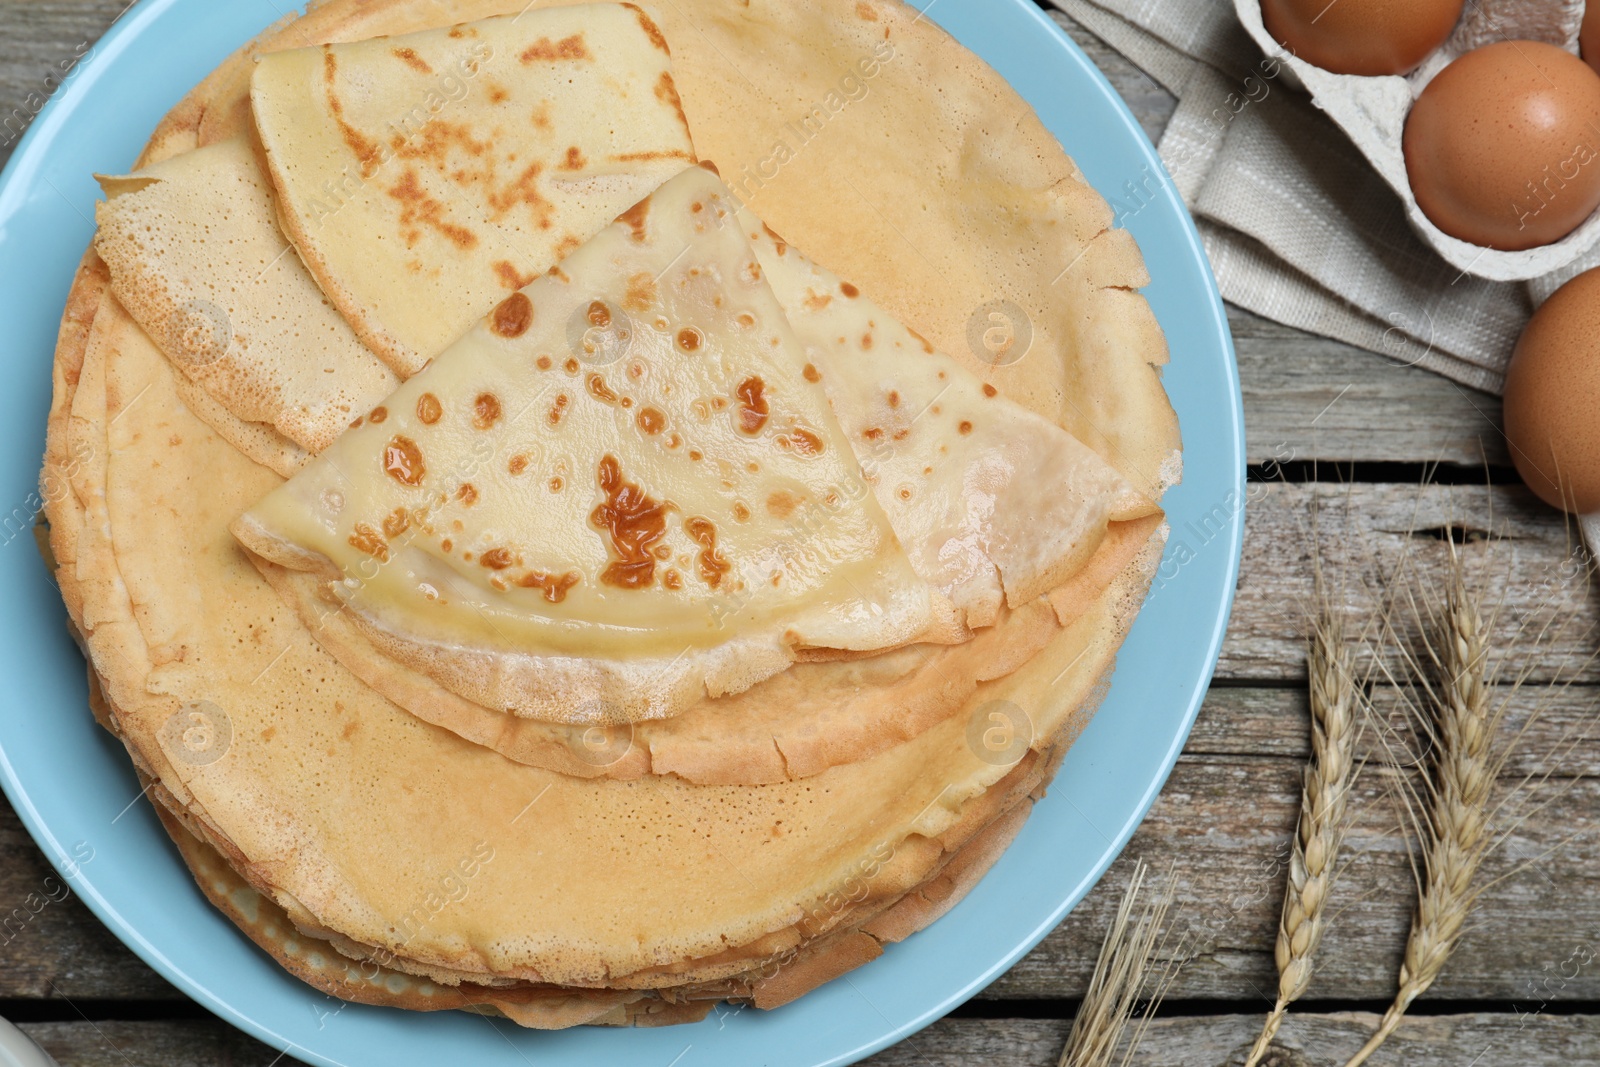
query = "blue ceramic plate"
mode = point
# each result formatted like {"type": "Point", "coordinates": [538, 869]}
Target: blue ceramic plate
{"type": "Point", "coordinates": [74, 789]}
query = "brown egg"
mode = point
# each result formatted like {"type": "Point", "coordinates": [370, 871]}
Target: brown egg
{"type": "Point", "coordinates": [1552, 398]}
{"type": "Point", "coordinates": [1361, 36]}
{"type": "Point", "coordinates": [1503, 146]}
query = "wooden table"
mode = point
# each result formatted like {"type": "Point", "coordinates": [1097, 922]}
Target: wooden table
{"type": "Point", "coordinates": [1326, 423]}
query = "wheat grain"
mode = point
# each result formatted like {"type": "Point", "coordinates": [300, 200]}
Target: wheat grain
{"type": "Point", "coordinates": [1456, 826]}
{"type": "Point", "coordinates": [1125, 958]}
{"type": "Point", "coordinates": [1324, 790]}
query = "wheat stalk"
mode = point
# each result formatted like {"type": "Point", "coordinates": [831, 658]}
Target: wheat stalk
{"type": "Point", "coordinates": [1125, 956]}
{"type": "Point", "coordinates": [1456, 821]}
{"type": "Point", "coordinates": [1324, 790]}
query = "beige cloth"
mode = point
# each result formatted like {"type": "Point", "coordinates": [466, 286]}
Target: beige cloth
{"type": "Point", "coordinates": [1299, 228]}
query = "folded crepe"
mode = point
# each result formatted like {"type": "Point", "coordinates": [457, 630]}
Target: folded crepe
{"type": "Point", "coordinates": [422, 177]}
{"type": "Point", "coordinates": [450, 533]}
{"type": "Point", "coordinates": [956, 467]}
{"type": "Point", "coordinates": [992, 501]}
{"type": "Point", "coordinates": [196, 257]}
{"type": "Point", "coordinates": [798, 723]}
{"type": "Point", "coordinates": [588, 509]}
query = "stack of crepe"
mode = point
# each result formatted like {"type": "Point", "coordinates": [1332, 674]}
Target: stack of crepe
{"type": "Point", "coordinates": [528, 583]}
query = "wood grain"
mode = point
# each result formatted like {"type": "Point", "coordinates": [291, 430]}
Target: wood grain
{"type": "Point", "coordinates": [51, 945]}
{"type": "Point", "coordinates": [1306, 1040]}
{"type": "Point", "coordinates": [41, 43]}
{"type": "Point", "coordinates": [1520, 552]}
{"type": "Point", "coordinates": [1557, 724]}
{"type": "Point", "coordinates": [1224, 824]}
{"type": "Point", "coordinates": [180, 1043]}
{"type": "Point", "coordinates": [1314, 398]}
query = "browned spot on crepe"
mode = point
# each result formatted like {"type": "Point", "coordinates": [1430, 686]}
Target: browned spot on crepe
{"type": "Point", "coordinates": [633, 521]}
{"type": "Point", "coordinates": [512, 316]}
{"type": "Point", "coordinates": [402, 459]}
{"type": "Point", "coordinates": [753, 408]}
{"type": "Point", "coordinates": [634, 218]}
{"type": "Point", "coordinates": [571, 47]}
{"type": "Point", "coordinates": [409, 57]}
{"type": "Point", "coordinates": [712, 565]}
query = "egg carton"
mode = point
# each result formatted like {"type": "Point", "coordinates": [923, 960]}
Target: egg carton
{"type": "Point", "coordinates": [1372, 112]}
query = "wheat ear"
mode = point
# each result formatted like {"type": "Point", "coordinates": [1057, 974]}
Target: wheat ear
{"type": "Point", "coordinates": [1119, 973]}
{"type": "Point", "coordinates": [1456, 832]}
{"type": "Point", "coordinates": [1324, 790]}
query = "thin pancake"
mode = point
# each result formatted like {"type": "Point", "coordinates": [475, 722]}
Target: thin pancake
{"type": "Point", "coordinates": [259, 441]}
{"type": "Point", "coordinates": [571, 533]}
{"type": "Point", "coordinates": [197, 259]}
{"type": "Point", "coordinates": [990, 499]}
{"type": "Point", "coordinates": [62, 504]}
{"type": "Point", "coordinates": [319, 965]}
{"type": "Point", "coordinates": [776, 981]}
{"type": "Point", "coordinates": [338, 18]}
{"type": "Point", "coordinates": [878, 897]}
{"type": "Point", "coordinates": [482, 153]}
{"type": "Point", "coordinates": [942, 194]}
{"type": "Point", "coordinates": [792, 974]}
{"type": "Point", "coordinates": [798, 723]}
{"type": "Point", "coordinates": [866, 135]}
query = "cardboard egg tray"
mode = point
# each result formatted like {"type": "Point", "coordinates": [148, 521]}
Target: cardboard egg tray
{"type": "Point", "coordinates": [1372, 111]}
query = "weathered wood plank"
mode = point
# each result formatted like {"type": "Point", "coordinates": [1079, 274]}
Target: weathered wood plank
{"type": "Point", "coordinates": [1224, 823]}
{"type": "Point", "coordinates": [51, 945]}
{"type": "Point", "coordinates": [178, 1043]}
{"type": "Point", "coordinates": [1436, 1041]}
{"type": "Point", "coordinates": [1314, 398]}
{"type": "Point", "coordinates": [1223, 1040]}
{"type": "Point", "coordinates": [1519, 551]}
{"type": "Point", "coordinates": [1556, 724]}
{"type": "Point", "coordinates": [42, 42]}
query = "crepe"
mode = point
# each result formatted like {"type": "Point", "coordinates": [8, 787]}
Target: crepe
{"type": "Point", "coordinates": [619, 494]}
{"type": "Point", "coordinates": [954, 466]}
{"type": "Point", "coordinates": [196, 257]}
{"type": "Point", "coordinates": [992, 501]}
{"type": "Point", "coordinates": [258, 440]}
{"type": "Point", "coordinates": [349, 808]}
{"type": "Point", "coordinates": [944, 197]}
{"type": "Point", "coordinates": [320, 965]}
{"type": "Point", "coordinates": [325, 964]}
{"type": "Point", "coordinates": [871, 139]}
{"type": "Point", "coordinates": [798, 723]}
{"type": "Point", "coordinates": [481, 153]}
